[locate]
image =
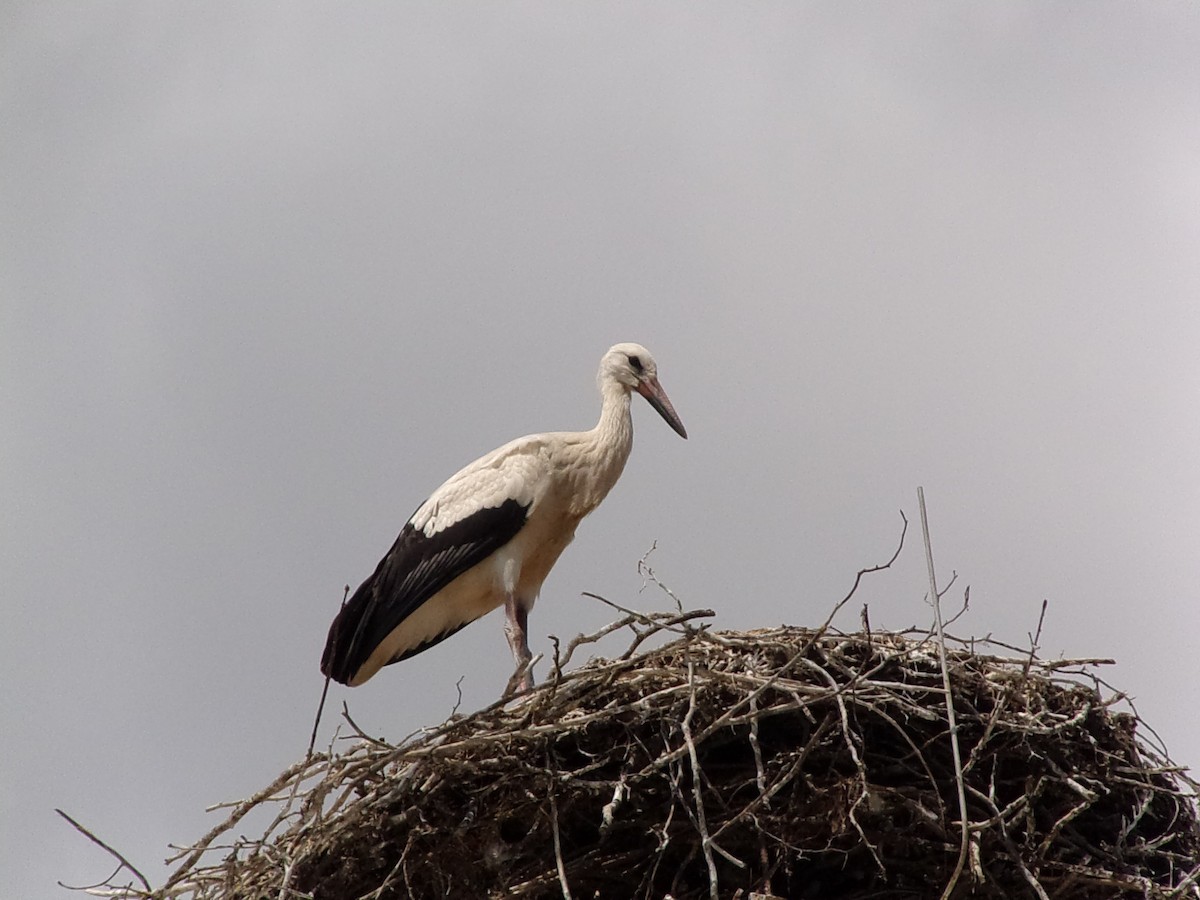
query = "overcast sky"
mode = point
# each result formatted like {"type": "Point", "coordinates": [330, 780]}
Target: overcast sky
{"type": "Point", "coordinates": [269, 273]}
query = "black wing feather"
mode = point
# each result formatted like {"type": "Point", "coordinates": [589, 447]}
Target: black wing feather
{"type": "Point", "coordinates": [415, 569]}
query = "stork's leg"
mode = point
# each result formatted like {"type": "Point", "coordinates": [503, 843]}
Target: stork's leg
{"type": "Point", "coordinates": [516, 629]}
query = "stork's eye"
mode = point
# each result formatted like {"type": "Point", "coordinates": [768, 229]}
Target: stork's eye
{"type": "Point", "coordinates": [636, 362]}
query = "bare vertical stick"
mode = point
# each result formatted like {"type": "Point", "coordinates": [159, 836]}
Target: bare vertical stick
{"type": "Point", "coordinates": [950, 719]}
{"type": "Point", "coordinates": [558, 858]}
{"type": "Point", "coordinates": [697, 784]}
{"type": "Point", "coordinates": [312, 741]}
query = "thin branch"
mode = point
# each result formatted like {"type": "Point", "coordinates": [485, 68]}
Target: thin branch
{"type": "Point", "coordinates": [1035, 641]}
{"type": "Point", "coordinates": [861, 572]}
{"type": "Point", "coordinates": [312, 741]}
{"type": "Point", "coordinates": [558, 857]}
{"type": "Point", "coordinates": [963, 609]}
{"type": "Point", "coordinates": [648, 577]}
{"type": "Point", "coordinates": [194, 853]}
{"type": "Point", "coordinates": [697, 785]}
{"type": "Point", "coordinates": [724, 719]}
{"type": "Point", "coordinates": [964, 847]}
{"type": "Point", "coordinates": [89, 888]}
{"type": "Point", "coordinates": [117, 856]}
{"type": "Point", "coordinates": [358, 731]}
{"type": "Point", "coordinates": [458, 702]}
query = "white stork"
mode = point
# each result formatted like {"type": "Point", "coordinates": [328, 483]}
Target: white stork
{"type": "Point", "coordinates": [491, 533]}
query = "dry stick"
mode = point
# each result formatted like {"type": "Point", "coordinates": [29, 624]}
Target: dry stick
{"type": "Point", "coordinates": [857, 578]}
{"type": "Point", "coordinates": [378, 892]}
{"type": "Point", "coordinates": [558, 858]}
{"type": "Point", "coordinates": [92, 888]}
{"type": "Point", "coordinates": [312, 741]}
{"type": "Point", "coordinates": [697, 787]}
{"type": "Point", "coordinates": [760, 775]}
{"type": "Point", "coordinates": [663, 839]}
{"type": "Point", "coordinates": [998, 709]}
{"type": "Point", "coordinates": [1034, 643]}
{"type": "Point", "coordinates": [958, 769]}
{"type": "Point", "coordinates": [722, 720]}
{"type": "Point", "coordinates": [848, 738]}
{"type": "Point", "coordinates": [966, 605]}
{"type": "Point", "coordinates": [648, 577]}
{"type": "Point", "coordinates": [288, 871]}
{"type": "Point", "coordinates": [121, 859]}
{"type": "Point", "coordinates": [358, 731]}
{"type": "Point", "coordinates": [197, 850]}
{"type": "Point", "coordinates": [654, 623]}
{"type": "Point", "coordinates": [1193, 878]}
{"type": "Point", "coordinates": [782, 781]}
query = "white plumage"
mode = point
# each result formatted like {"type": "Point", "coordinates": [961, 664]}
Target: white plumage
{"type": "Point", "coordinates": [491, 533]}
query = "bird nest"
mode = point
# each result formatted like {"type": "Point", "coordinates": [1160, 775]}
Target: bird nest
{"type": "Point", "coordinates": [781, 762]}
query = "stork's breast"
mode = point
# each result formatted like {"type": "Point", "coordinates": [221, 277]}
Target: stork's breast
{"type": "Point", "coordinates": [544, 538]}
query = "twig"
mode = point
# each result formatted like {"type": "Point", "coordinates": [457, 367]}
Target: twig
{"type": "Point", "coordinates": [89, 888]}
{"type": "Point", "coordinates": [760, 775]}
{"type": "Point", "coordinates": [1034, 640]}
{"type": "Point", "coordinates": [855, 756]}
{"type": "Point", "coordinates": [458, 702]}
{"type": "Point", "coordinates": [963, 609]}
{"type": "Point", "coordinates": [724, 719]}
{"type": "Point", "coordinates": [964, 847]}
{"type": "Point", "coordinates": [558, 858]}
{"type": "Point", "coordinates": [288, 871]}
{"type": "Point", "coordinates": [697, 784]}
{"type": "Point", "coordinates": [648, 576]}
{"type": "Point", "coordinates": [784, 780]}
{"type": "Point", "coordinates": [194, 852]}
{"type": "Point", "coordinates": [121, 859]}
{"type": "Point", "coordinates": [312, 741]}
{"type": "Point", "coordinates": [663, 833]}
{"type": "Point", "coordinates": [378, 892]}
{"type": "Point", "coordinates": [861, 572]}
{"type": "Point", "coordinates": [358, 731]}
{"type": "Point", "coordinates": [654, 621]}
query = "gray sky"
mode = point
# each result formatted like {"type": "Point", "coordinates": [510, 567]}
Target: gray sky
{"type": "Point", "coordinates": [268, 274]}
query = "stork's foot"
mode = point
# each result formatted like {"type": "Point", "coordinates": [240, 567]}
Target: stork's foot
{"type": "Point", "coordinates": [521, 680]}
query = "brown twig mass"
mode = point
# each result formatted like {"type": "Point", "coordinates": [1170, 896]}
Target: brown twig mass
{"type": "Point", "coordinates": [783, 761]}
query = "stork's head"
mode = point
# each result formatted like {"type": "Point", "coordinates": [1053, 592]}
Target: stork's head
{"type": "Point", "coordinates": [632, 367]}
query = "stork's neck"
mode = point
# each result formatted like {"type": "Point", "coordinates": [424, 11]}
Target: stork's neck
{"type": "Point", "coordinates": [602, 452]}
{"type": "Point", "coordinates": [615, 428]}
